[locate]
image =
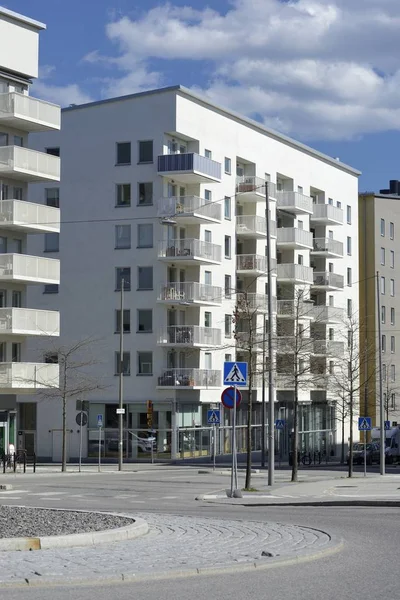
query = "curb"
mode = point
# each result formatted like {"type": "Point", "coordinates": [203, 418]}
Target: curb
{"type": "Point", "coordinates": [138, 528]}
{"type": "Point", "coordinates": [384, 503]}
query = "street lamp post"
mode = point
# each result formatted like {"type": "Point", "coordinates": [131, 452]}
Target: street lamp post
{"type": "Point", "coordinates": [271, 358]}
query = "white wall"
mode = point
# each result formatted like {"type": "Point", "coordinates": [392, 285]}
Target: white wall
{"type": "Point", "coordinates": [19, 46]}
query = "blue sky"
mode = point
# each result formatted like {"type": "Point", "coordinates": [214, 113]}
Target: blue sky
{"type": "Point", "coordinates": [327, 73]}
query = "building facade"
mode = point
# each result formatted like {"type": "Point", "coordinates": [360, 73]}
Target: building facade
{"type": "Point", "coordinates": [164, 193]}
{"type": "Point", "coordinates": [379, 259]}
{"type": "Point", "coordinates": [21, 370]}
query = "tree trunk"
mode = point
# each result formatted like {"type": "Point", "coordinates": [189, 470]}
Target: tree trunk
{"type": "Point", "coordinates": [351, 438]}
{"type": "Point", "coordinates": [342, 453]}
{"type": "Point", "coordinates": [295, 445]}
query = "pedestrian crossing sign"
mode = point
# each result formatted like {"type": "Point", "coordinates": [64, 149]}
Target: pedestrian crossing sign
{"type": "Point", "coordinates": [235, 373]}
{"type": "Point", "coordinates": [280, 424]}
{"type": "Point", "coordinates": [213, 417]}
{"type": "Point", "coordinates": [364, 423]}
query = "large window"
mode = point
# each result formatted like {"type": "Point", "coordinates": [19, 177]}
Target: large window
{"type": "Point", "coordinates": [123, 273]}
{"type": "Point", "coordinates": [383, 227]}
{"type": "Point", "coordinates": [54, 151]}
{"type": "Point", "coordinates": [123, 153]}
{"type": "Point", "coordinates": [348, 214]}
{"type": "Point", "coordinates": [145, 235]}
{"type": "Point", "coordinates": [207, 319]}
{"type": "Point", "coordinates": [228, 286]}
{"type": "Point", "coordinates": [391, 231]}
{"type": "Point", "coordinates": [144, 320]}
{"type": "Point", "coordinates": [51, 288]}
{"type": "Point", "coordinates": [123, 193]}
{"type": "Point", "coordinates": [125, 367]}
{"type": "Point", "coordinates": [392, 287]}
{"type": "Point", "coordinates": [51, 242]}
{"type": "Point", "coordinates": [227, 208]}
{"type": "Point", "coordinates": [146, 151]}
{"type": "Point", "coordinates": [52, 197]}
{"type": "Point", "coordinates": [126, 321]}
{"type": "Point", "coordinates": [227, 246]}
{"type": "Point", "coordinates": [122, 237]}
{"type": "Point", "coordinates": [145, 278]}
{"type": "Point", "coordinates": [349, 277]}
{"type": "Point", "coordinates": [145, 194]}
{"type": "Point", "coordinates": [349, 245]}
{"type": "Point", "coordinates": [228, 165]}
{"type": "Point", "coordinates": [228, 326]}
{"type": "Point", "coordinates": [145, 363]}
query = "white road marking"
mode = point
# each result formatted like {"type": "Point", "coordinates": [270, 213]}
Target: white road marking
{"type": "Point", "coordinates": [169, 498]}
{"type": "Point", "coordinates": [13, 492]}
{"type": "Point", "coordinates": [138, 501]}
{"type": "Point", "coordinates": [47, 493]}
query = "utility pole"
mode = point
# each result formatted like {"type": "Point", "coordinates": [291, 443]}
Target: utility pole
{"type": "Point", "coordinates": [263, 395]}
{"type": "Point", "coordinates": [121, 381]}
{"type": "Point", "coordinates": [381, 406]}
{"type": "Point", "coordinates": [271, 359]}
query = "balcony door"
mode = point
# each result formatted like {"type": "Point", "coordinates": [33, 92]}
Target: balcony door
{"type": "Point", "coordinates": [176, 147]}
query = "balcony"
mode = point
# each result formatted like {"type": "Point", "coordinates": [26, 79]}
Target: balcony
{"type": "Point", "coordinates": [26, 321]}
{"type": "Point", "coordinates": [22, 268]}
{"type": "Point", "coordinates": [29, 217]}
{"type": "Point", "coordinates": [328, 348]}
{"type": "Point", "coordinates": [294, 202]}
{"type": "Point", "coordinates": [250, 302]}
{"type": "Point", "coordinates": [253, 226]}
{"type": "Point", "coordinates": [189, 252]}
{"type": "Point", "coordinates": [328, 314]}
{"type": "Point", "coordinates": [292, 238]}
{"type": "Point", "coordinates": [286, 345]}
{"type": "Point", "coordinates": [190, 292]}
{"type": "Point", "coordinates": [189, 168]}
{"type": "Point", "coordinates": [189, 336]}
{"type": "Point", "coordinates": [327, 281]}
{"type": "Point", "coordinates": [294, 309]}
{"type": "Point", "coordinates": [295, 274]}
{"type": "Point", "coordinates": [245, 338]}
{"type": "Point", "coordinates": [189, 210]}
{"type": "Point", "coordinates": [28, 165]}
{"type": "Point", "coordinates": [195, 379]}
{"type": "Point", "coordinates": [254, 264]}
{"type": "Point", "coordinates": [327, 248]}
{"type": "Point", "coordinates": [252, 189]}
{"type": "Point", "coordinates": [284, 381]}
{"type": "Point", "coordinates": [27, 378]}
{"type": "Point", "coordinates": [25, 113]}
{"type": "Point", "coordinates": [326, 214]}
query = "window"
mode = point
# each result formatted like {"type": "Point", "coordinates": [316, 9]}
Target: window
{"type": "Point", "coordinates": [146, 151]}
{"type": "Point", "coordinates": [122, 237]}
{"type": "Point", "coordinates": [208, 277]}
{"type": "Point", "coordinates": [392, 287]}
{"type": "Point", "coordinates": [123, 153]}
{"type": "Point", "coordinates": [51, 242]}
{"type": "Point", "coordinates": [145, 194]}
{"type": "Point", "coordinates": [208, 195]}
{"type": "Point", "coordinates": [123, 273]}
{"type": "Point", "coordinates": [384, 374]}
{"type": "Point", "coordinates": [393, 372]}
{"type": "Point", "coordinates": [349, 338]}
{"type": "Point", "coordinates": [228, 326]}
{"type": "Point", "coordinates": [338, 204]}
{"type": "Point", "coordinates": [19, 141]}
{"type": "Point", "coordinates": [145, 235]}
{"type": "Point", "coordinates": [348, 214]}
{"type": "Point", "coordinates": [3, 139]}
{"type": "Point", "coordinates": [382, 256]}
{"type": "Point", "coordinates": [51, 288]}
{"type": "Point", "coordinates": [383, 343]}
{"type": "Point", "coordinates": [123, 194]}
{"type": "Point", "coordinates": [144, 320]}
{"type": "Point", "coordinates": [391, 231]}
{"type": "Point", "coordinates": [393, 401]}
{"type": "Point", "coordinates": [51, 358]}
{"type": "Point", "coordinates": [392, 316]}
{"type": "Point", "coordinates": [392, 344]}
{"type": "Point", "coordinates": [207, 319]}
{"type": "Point", "coordinates": [145, 363]}
{"type": "Point", "coordinates": [228, 286]}
{"type": "Point", "coordinates": [53, 197]}
{"type": "Point", "coordinates": [3, 298]}
{"type": "Point", "coordinates": [349, 277]}
{"type": "Point", "coordinates": [228, 357]}
{"type": "Point", "coordinates": [208, 236]}
{"type": "Point", "coordinates": [53, 151]}
{"type": "Point", "coordinates": [349, 245]}
{"type": "Point", "coordinates": [300, 259]}
{"type": "Point", "coordinates": [17, 246]}
{"type": "Point", "coordinates": [16, 352]}
{"type": "Point", "coordinates": [16, 299]}
{"type": "Point", "coordinates": [208, 154]}
{"type": "Point", "coordinates": [145, 278]}
{"type": "Point", "coordinates": [349, 307]}
{"type": "Point", "coordinates": [228, 165]}
{"type": "Point", "coordinates": [331, 367]}
{"type": "Point", "coordinates": [383, 285]}
{"type": "Point", "coordinates": [383, 314]}
{"type": "Point", "coordinates": [125, 367]}
{"type": "Point", "coordinates": [126, 321]}
{"type": "Point", "coordinates": [227, 208]}
{"type": "Point", "coordinates": [392, 259]}
{"type": "Point", "coordinates": [227, 246]}
{"type": "Point", "coordinates": [383, 227]}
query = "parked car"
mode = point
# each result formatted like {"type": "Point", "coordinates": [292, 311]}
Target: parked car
{"type": "Point", "coordinates": [373, 454]}
{"type": "Point", "coordinates": [143, 442]}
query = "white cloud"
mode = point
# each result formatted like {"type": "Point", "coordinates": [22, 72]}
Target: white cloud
{"type": "Point", "coordinates": [64, 95]}
{"type": "Point", "coordinates": [315, 68]}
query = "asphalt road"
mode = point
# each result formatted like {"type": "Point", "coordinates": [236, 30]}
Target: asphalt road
{"type": "Point", "coordinates": [365, 568]}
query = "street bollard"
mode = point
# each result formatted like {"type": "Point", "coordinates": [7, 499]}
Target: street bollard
{"type": "Point", "coordinates": [34, 462]}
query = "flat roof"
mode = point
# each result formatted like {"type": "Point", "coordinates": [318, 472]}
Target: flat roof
{"type": "Point", "coordinates": [202, 99]}
{"type": "Point", "coordinates": [18, 17]}
{"type": "Point", "coordinates": [383, 196]}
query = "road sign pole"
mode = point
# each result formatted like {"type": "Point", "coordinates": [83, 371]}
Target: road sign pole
{"type": "Point", "coordinates": [80, 441]}
{"type": "Point", "coordinates": [214, 434]}
{"type": "Point", "coordinates": [234, 466]}
{"type": "Point", "coordinates": [365, 453]}
{"type": "Point", "coordinates": [99, 467]}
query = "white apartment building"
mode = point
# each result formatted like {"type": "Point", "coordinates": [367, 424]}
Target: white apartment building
{"type": "Point", "coordinates": [21, 370]}
{"type": "Point", "coordinates": [166, 191]}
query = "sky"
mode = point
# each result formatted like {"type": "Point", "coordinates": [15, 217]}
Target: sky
{"type": "Point", "coordinates": [326, 72]}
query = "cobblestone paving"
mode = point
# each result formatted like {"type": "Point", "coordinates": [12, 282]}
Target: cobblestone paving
{"type": "Point", "coordinates": [173, 543]}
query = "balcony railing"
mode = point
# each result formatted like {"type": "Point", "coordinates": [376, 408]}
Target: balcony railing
{"type": "Point", "coordinates": [189, 207]}
{"type": "Point", "coordinates": [29, 114]}
{"type": "Point", "coordinates": [329, 280]}
{"type": "Point", "coordinates": [27, 321]}
{"type": "Point", "coordinates": [294, 273]}
{"type": "Point", "coordinates": [184, 249]}
{"type": "Point", "coordinates": [253, 225]}
{"type": "Point", "coordinates": [190, 378]}
{"type": "Point", "coordinates": [252, 301]}
{"type": "Point", "coordinates": [295, 309]}
{"type": "Point", "coordinates": [245, 338]}
{"type": "Point", "coordinates": [294, 202]}
{"type": "Point", "coordinates": [28, 164]}
{"type": "Point", "coordinates": [189, 335]}
{"type": "Point", "coordinates": [284, 381]}
{"type": "Point", "coordinates": [28, 216]}
{"type": "Point", "coordinates": [328, 314]}
{"type": "Point", "coordinates": [327, 246]}
{"type": "Point", "coordinates": [255, 263]}
{"type": "Point", "coordinates": [328, 214]}
{"type": "Point", "coordinates": [254, 188]}
{"type": "Point", "coordinates": [25, 268]}
{"type": "Point", "coordinates": [28, 377]}
{"type": "Point", "coordinates": [294, 236]}
{"type": "Point", "coordinates": [328, 347]}
{"type": "Point", "coordinates": [193, 166]}
{"type": "Point", "coordinates": [190, 291]}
